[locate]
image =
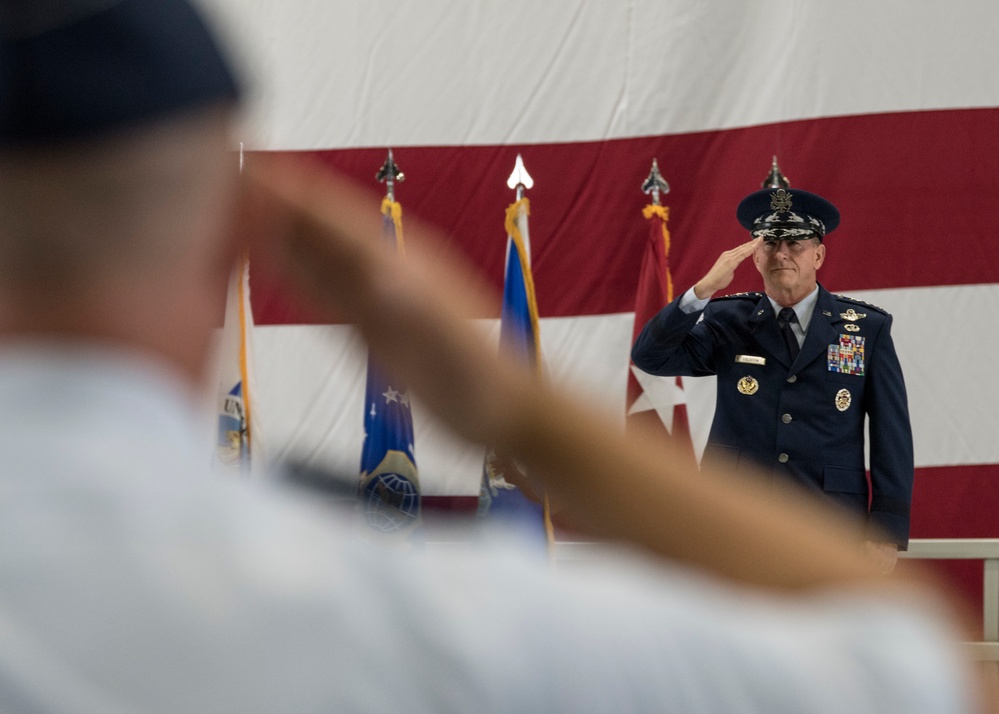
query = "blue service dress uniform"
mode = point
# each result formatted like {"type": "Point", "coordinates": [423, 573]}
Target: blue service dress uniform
{"type": "Point", "coordinates": [803, 420]}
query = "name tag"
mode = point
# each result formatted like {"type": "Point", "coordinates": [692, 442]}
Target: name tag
{"type": "Point", "coordinates": [750, 359]}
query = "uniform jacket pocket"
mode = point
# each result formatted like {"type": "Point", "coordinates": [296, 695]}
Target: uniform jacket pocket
{"type": "Point", "coordinates": [843, 479]}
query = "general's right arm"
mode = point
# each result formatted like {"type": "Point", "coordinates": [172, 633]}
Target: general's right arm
{"type": "Point", "coordinates": [673, 343]}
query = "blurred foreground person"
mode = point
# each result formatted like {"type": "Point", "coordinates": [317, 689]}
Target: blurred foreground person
{"type": "Point", "coordinates": [132, 580]}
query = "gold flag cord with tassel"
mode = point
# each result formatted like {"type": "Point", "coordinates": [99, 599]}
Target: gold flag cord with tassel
{"type": "Point", "coordinates": [394, 210]}
{"type": "Point", "coordinates": [244, 271]}
{"type": "Point", "coordinates": [662, 212]}
{"type": "Point", "coordinates": [513, 230]}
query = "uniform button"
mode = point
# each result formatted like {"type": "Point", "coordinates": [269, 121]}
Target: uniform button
{"type": "Point", "coordinates": [783, 458]}
{"type": "Point", "coordinates": [786, 418]}
{"type": "Point", "coordinates": [793, 378]}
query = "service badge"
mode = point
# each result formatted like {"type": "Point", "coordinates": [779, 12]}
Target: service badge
{"type": "Point", "coordinates": [843, 399]}
{"type": "Point", "coordinates": [747, 385]}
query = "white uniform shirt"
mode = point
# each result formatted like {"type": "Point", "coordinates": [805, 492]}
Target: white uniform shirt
{"type": "Point", "coordinates": [690, 303]}
{"type": "Point", "coordinates": [132, 579]}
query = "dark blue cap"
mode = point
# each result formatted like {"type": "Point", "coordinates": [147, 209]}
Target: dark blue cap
{"type": "Point", "coordinates": [79, 69]}
{"type": "Point", "coordinates": [787, 214]}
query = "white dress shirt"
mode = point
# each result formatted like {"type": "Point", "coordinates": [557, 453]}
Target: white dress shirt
{"type": "Point", "coordinates": [132, 579]}
{"type": "Point", "coordinates": [690, 303]}
{"type": "Point", "coordinates": [802, 310]}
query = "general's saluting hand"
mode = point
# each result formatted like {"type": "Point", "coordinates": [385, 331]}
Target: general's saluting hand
{"type": "Point", "coordinates": [723, 271]}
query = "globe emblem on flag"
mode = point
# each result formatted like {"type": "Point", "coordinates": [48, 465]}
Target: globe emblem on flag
{"type": "Point", "coordinates": [231, 444]}
{"type": "Point", "coordinates": [391, 502]}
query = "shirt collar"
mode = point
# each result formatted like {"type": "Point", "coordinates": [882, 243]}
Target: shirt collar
{"type": "Point", "coordinates": [803, 309]}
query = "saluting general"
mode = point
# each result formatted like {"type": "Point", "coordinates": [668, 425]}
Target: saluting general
{"type": "Point", "coordinates": [799, 370]}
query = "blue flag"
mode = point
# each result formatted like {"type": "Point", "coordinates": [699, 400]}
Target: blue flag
{"type": "Point", "coordinates": [390, 484]}
{"type": "Point", "coordinates": [519, 338]}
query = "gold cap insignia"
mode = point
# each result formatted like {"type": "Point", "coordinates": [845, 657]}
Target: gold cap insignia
{"type": "Point", "coordinates": [748, 385]}
{"type": "Point", "coordinates": [780, 201]}
{"type": "Point", "coordinates": [852, 315]}
{"type": "Point", "coordinates": [843, 399]}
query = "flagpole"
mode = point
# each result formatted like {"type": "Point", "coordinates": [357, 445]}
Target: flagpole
{"type": "Point", "coordinates": [388, 174]}
{"type": "Point", "coordinates": [244, 370]}
{"type": "Point", "coordinates": [660, 402]}
{"type": "Point", "coordinates": [655, 184]}
{"type": "Point", "coordinates": [237, 441]}
{"type": "Point", "coordinates": [390, 483]}
{"type": "Point", "coordinates": [520, 181]}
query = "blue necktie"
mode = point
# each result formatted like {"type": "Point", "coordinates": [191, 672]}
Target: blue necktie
{"type": "Point", "coordinates": [784, 320]}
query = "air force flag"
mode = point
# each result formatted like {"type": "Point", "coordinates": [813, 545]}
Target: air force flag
{"type": "Point", "coordinates": [390, 484]}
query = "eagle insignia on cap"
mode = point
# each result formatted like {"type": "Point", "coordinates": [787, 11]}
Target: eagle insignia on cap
{"type": "Point", "coordinates": [780, 201]}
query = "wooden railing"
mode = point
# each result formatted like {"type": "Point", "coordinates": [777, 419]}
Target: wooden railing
{"type": "Point", "coordinates": [986, 550]}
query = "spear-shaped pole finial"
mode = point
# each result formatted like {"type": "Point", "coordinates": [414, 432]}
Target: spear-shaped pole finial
{"type": "Point", "coordinates": [775, 179]}
{"type": "Point", "coordinates": [520, 179]}
{"type": "Point", "coordinates": [655, 184]}
{"type": "Point", "coordinates": [388, 174]}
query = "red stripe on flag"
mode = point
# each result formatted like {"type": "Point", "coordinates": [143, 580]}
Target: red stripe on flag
{"type": "Point", "coordinates": [909, 186]}
{"type": "Point", "coordinates": [957, 502]}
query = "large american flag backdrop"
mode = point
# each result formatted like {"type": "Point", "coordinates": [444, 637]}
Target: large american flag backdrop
{"type": "Point", "coordinates": [889, 109]}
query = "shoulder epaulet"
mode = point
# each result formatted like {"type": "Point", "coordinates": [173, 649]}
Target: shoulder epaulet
{"type": "Point", "coordinates": [739, 296]}
{"type": "Point", "coordinates": [855, 301]}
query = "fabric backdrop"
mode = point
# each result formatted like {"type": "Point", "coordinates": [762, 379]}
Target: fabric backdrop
{"type": "Point", "coordinates": [888, 109]}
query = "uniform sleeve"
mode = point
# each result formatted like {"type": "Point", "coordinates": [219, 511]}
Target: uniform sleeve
{"type": "Point", "coordinates": [891, 451]}
{"type": "Point", "coordinates": [674, 343]}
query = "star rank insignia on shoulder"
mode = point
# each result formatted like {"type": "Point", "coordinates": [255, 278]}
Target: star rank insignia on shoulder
{"type": "Point", "coordinates": [861, 303]}
{"type": "Point", "coordinates": [739, 296]}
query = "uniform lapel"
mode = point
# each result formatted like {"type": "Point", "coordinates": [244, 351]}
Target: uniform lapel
{"type": "Point", "coordinates": [763, 324]}
{"type": "Point", "coordinates": [821, 329]}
